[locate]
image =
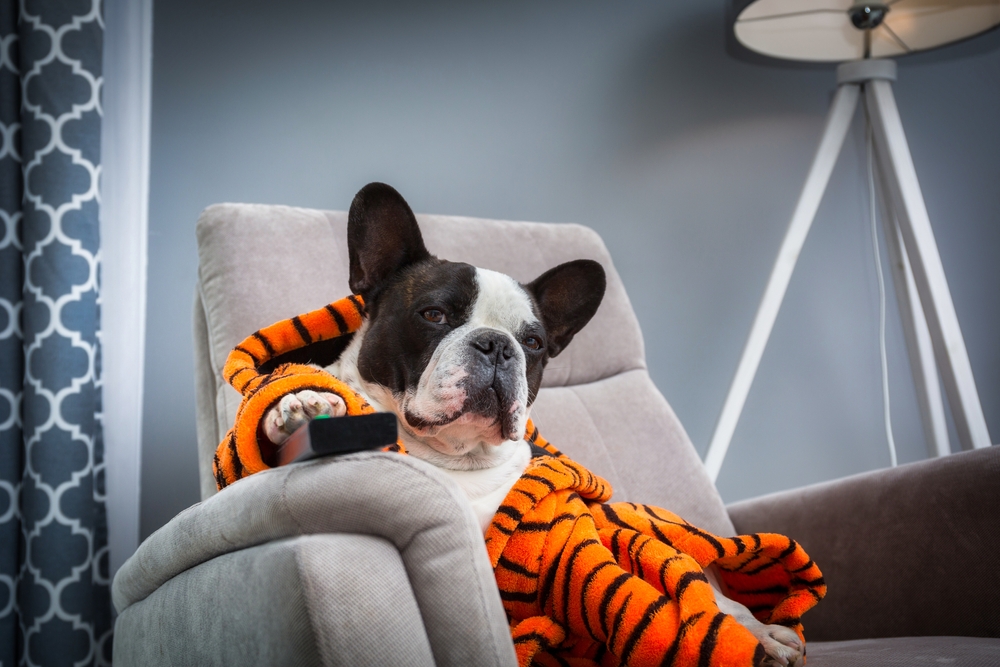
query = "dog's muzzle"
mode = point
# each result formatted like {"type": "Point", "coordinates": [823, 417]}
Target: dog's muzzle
{"type": "Point", "coordinates": [496, 376]}
{"type": "Point", "coordinates": [479, 379]}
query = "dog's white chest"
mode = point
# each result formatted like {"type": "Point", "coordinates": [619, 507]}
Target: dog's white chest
{"type": "Point", "coordinates": [486, 488]}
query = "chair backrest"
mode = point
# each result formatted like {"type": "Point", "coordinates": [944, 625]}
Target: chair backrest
{"type": "Point", "coordinates": [259, 264]}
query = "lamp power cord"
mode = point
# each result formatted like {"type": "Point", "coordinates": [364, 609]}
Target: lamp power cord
{"type": "Point", "coordinates": [869, 143]}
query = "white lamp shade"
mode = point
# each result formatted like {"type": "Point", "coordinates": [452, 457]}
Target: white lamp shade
{"type": "Point", "coordinates": [821, 30]}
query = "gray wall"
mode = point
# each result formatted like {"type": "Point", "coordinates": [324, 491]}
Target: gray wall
{"type": "Point", "coordinates": [627, 117]}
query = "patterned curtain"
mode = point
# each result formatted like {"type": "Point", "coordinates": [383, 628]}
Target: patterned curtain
{"type": "Point", "coordinates": [54, 592]}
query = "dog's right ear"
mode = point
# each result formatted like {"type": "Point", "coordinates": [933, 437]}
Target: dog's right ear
{"type": "Point", "coordinates": [382, 238]}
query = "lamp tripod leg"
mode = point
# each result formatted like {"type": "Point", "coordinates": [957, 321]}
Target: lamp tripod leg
{"type": "Point", "coordinates": [918, 338]}
{"type": "Point", "coordinates": [837, 123]}
{"type": "Point", "coordinates": [910, 214]}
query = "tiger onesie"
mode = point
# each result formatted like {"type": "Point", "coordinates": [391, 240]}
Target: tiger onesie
{"type": "Point", "coordinates": [584, 582]}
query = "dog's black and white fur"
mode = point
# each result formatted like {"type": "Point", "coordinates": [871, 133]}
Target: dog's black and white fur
{"type": "Point", "coordinates": [457, 353]}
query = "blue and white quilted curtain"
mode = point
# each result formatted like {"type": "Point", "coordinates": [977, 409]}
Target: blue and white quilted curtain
{"type": "Point", "coordinates": [54, 591]}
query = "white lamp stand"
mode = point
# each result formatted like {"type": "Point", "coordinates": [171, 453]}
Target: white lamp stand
{"type": "Point", "coordinates": [933, 337]}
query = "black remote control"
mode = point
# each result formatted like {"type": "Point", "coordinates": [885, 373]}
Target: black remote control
{"type": "Point", "coordinates": [330, 436]}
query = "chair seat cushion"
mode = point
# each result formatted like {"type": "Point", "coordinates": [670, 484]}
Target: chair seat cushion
{"type": "Point", "coordinates": [906, 652]}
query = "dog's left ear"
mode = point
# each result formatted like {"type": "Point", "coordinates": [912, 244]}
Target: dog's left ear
{"type": "Point", "coordinates": [382, 238]}
{"type": "Point", "coordinates": [567, 297]}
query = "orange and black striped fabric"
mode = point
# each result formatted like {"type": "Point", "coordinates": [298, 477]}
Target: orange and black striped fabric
{"type": "Point", "coordinates": [584, 582]}
{"type": "Point", "coordinates": [587, 582]}
{"type": "Point", "coordinates": [245, 449]}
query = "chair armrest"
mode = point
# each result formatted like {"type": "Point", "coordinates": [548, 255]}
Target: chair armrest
{"type": "Point", "coordinates": [403, 500]}
{"type": "Point", "coordinates": [906, 551]}
{"type": "Point", "coordinates": [303, 600]}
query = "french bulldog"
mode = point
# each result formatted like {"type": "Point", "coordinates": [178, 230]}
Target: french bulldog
{"type": "Point", "coordinates": [457, 353]}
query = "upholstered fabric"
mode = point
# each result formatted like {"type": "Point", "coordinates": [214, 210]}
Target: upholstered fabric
{"type": "Point", "coordinates": [208, 384]}
{"type": "Point", "coordinates": [623, 429]}
{"type": "Point", "coordinates": [182, 622]}
{"type": "Point", "coordinates": [906, 652]}
{"type": "Point", "coordinates": [906, 551]}
{"type": "Point", "coordinates": [424, 519]}
{"type": "Point", "coordinates": [296, 601]}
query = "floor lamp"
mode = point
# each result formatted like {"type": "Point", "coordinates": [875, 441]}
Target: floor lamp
{"type": "Point", "coordinates": [861, 36]}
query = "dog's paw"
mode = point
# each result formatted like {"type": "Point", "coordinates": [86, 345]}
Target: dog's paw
{"type": "Point", "coordinates": [295, 410]}
{"type": "Point", "coordinates": [782, 646]}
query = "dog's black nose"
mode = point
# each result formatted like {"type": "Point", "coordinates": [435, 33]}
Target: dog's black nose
{"type": "Point", "coordinates": [495, 346]}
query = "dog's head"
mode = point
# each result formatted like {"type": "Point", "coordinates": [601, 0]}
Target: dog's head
{"type": "Point", "coordinates": [456, 351]}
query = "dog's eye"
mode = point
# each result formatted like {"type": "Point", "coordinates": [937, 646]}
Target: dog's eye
{"type": "Point", "coordinates": [532, 343]}
{"type": "Point", "coordinates": [434, 315]}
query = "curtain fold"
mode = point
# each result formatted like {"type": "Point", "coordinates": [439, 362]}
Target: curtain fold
{"type": "Point", "coordinates": [54, 588]}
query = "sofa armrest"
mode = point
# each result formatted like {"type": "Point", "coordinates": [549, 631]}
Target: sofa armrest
{"type": "Point", "coordinates": [906, 551]}
{"type": "Point", "coordinates": [400, 499]}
